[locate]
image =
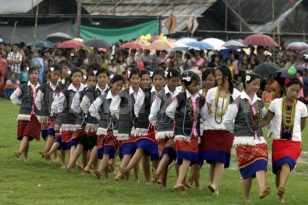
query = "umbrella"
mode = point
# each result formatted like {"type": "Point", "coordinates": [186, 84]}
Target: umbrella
{"type": "Point", "coordinates": [186, 40]}
{"type": "Point", "coordinates": [259, 40]}
{"type": "Point", "coordinates": [233, 44]}
{"type": "Point", "coordinates": [160, 45]}
{"type": "Point", "coordinates": [266, 69]}
{"type": "Point", "coordinates": [179, 46]}
{"type": "Point", "coordinates": [201, 45]}
{"type": "Point", "coordinates": [134, 45]}
{"type": "Point", "coordinates": [58, 37]}
{"type": "Point", "coordinates": [304, 52]}
{"type": "Point", "coordinates": [215, 43]}
{"type": "Point", "coordinates": [97, 43]}
{"type": "Point", "coordinates": [297, 46]}
{"type": "Point", "coordinates": [41, 44]}
{"type": "Point", "coordinates": [70, 44]}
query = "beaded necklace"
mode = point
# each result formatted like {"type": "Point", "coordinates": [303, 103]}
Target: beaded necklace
{"type": "Point", "coordinates": [288, 123]}
{"type": "Point", "coordinates": [224, 106]}
{"type": "Point", "coordinates": [252, 116]}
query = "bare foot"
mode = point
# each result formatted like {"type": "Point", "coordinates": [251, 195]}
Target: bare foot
{"type": "Point", "coordinates": [17, 154]}
{"type": "Point", "coordinates": [119, 177]}
{"type": "Point", "coordinates": [63, 167]}
{"type": "Point", "coordinates": [41, 153]}
{"type": "Point", "coordinates": [212, 188]}
{"type": "Point", "coordinates": [97, 174]}
{"type": "Point", "coordinates": [280, 193]}
{"type": "Point", "coordinates": [247, 201]}
{"type": "Point", "coordinates": [265, 193]}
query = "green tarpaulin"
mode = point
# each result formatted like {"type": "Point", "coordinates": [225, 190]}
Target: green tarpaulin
{"type": "Point", "coordinates": [113, 35]}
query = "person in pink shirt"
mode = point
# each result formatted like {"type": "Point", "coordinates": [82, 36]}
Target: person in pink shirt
{"type": "Point", "coordinates": [3, 71]}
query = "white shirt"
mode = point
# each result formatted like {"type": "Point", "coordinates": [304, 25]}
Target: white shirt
{"type": "Point", "coordinates": [209, 121]}
{"type": "Point", "coordinates": [17, 93]}
{"type": "Point", "coordinates": [275, 127]}
{"type": "Point", "coordinates": [139, 98]}
{"type": "Point", "coordinates": [155, 107]}
{"type": "Point", "coordinates": [96, 105]}
{"type": "Point", "coordinates": [40, 96]}
{"type": "Point", "coordinates": [86, 101]}
{"type": "Point", "coordinates": [57, 105]}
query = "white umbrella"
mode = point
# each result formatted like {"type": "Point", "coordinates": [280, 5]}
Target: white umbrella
{"type": "Point", "coordinates": [186, 40]}
{"type": "Point", "coordinates": [233, 44]}
{"type": "Point", "coordinates": [216, 43]}
{"type": "Point", "coordinates": [179, 46]}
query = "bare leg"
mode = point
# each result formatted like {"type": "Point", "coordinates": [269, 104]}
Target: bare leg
{"type": "Point", "coordinates": [182, 175]}
{"type": "Point", "coordinates": [53, 149]}
{"type": "Point", "coordinates": [22, 147]}
{"type": "Point", "coordinates": [162, 166]}
{"type": "Point", "coordinates": [49, 141]}
{"type": "Point", "coordinates": [124, 163]}
{"type": "Point", "coordinates": [283, 178]}
{"type": "Point", "coordinates": [246, 189]}
{"type": "Point", "coordinates": [62, 159]}
{"type": "Point", "coordinates": [136, 172]}
{"type": "Point", "coordinates": [263, 190]}
{"type": "Point", "coordinates": [93, 157]}
{"type": "Point", "coordinates": [75, 153]}
{"type": "Point", "coordinates": [134, 160]}
{"type": "Point", "coordinates": [218, 170]}
{"type": "Point", "coordinates": [103, 166]}
{"type": "Point", "coordinates": [146, 168]}
{"type": "Point", "coordinates": [211, 172]}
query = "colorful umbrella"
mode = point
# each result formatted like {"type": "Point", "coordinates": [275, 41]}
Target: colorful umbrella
{"type": "Point", "coordinates": [134, 45]}
{"type": "Point", "coordinates": [70, 44]}
{"type": "Point", "coordinates": [201, 45]}
{"type": "Point", "coordinates": [233, 44]}
{"type": "Point", "coordinates": [58, 37]}
{"type": "Point", "coordinates": [41, 44]}
{"type": "Point", "coordinates": [259, 40]}
{"type": "Point", "coordinates": [297, 46]}
{"type": "Point", "coordinates": [215, 43]}
{"type": "Point", "coordinates": [97, 43]}
{"type": "Point", "coordinates": [160, 45]}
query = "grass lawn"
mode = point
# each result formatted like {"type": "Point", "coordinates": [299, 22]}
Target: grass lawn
{"type": "Point", "coordinates": [46, 184]}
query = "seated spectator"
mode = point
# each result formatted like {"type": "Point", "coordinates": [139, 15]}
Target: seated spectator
{"type": "Point", "coordinates": [11, 84]}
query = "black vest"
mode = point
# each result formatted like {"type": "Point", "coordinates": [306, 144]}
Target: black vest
{"type": "Point", "coordinates": [143, 117]}
{"type": "Point", "coordinates": [27, 100]}
{"type": "Point", "coordinates": [92, 94]}
{"type": "Point", "coordinates": [48, 97]}
{"type": "Point", "coordinates": [184, 115]}
{"type": "Point", "coordinates": [126, 113]}
{"type": "Point", "coordinates": [163, 122]}
{"type": "Point", "coordinates": [240, 125]}
{"type": "Point", "coordinates": [105, 114]}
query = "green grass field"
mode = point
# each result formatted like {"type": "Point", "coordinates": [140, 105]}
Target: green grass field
{"type": "Point", "coordinates": [45, 184]}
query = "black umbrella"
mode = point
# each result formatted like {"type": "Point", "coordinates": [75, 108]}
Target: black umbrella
{"type": "Point", "coordinates": [41, 44]}
{"type": "Point", "coordinates": [58, 37]}
{"type": "Point", "coordinates": [266, 69]}
{"type": "Point", "coordinates": [97, 43]}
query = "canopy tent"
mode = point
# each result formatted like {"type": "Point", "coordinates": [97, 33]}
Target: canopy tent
{"type": "Point", "coordinates": [111, 35]}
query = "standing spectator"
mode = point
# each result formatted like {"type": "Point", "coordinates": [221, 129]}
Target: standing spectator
{"type": "Point", "coordinates": [3, 71]}
{"type": "Point", "coordinates": [14, 60]}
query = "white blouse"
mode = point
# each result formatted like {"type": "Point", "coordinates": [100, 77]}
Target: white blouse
{"type": "Point", "coordinates": [275, 127]}
{"type": "Point", "coordinates": [210, 122]}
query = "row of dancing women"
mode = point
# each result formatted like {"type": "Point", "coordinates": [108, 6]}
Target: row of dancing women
{"type": "Point", "coordinates": [166, 119]}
